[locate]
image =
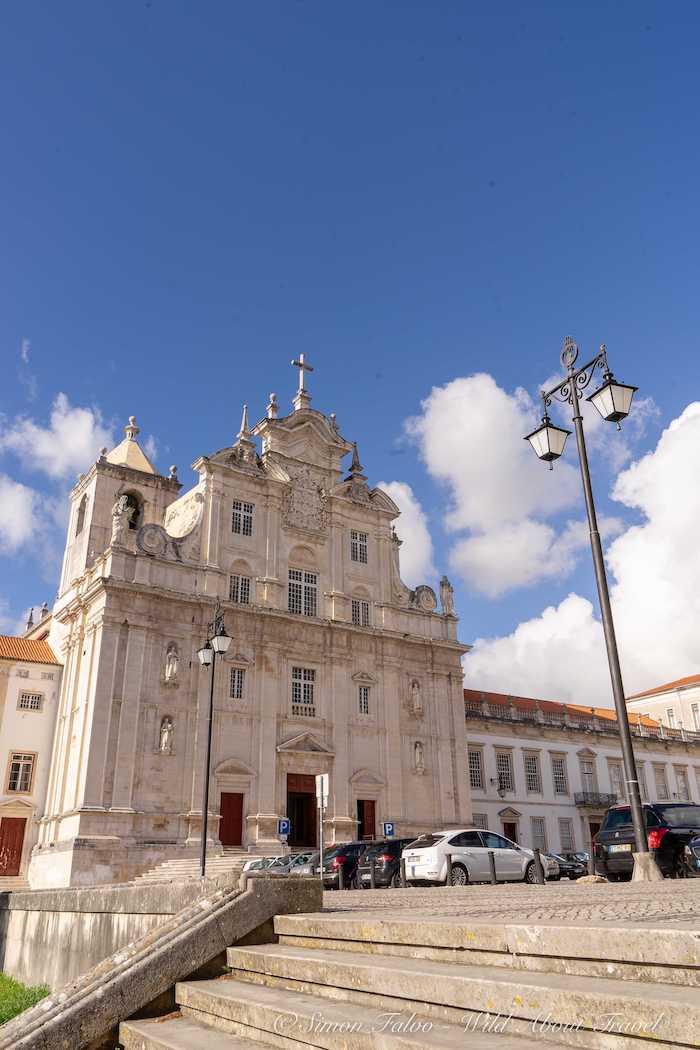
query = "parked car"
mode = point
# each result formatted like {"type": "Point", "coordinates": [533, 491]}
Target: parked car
{"type": "Point", "coordinates": [310, 866]}
{"type": "Point", "coordinates": [426, 858]}
{"type": "Point", "coordinates": [670, 825]}
{"type": "Point", "coordinates": [260, 863]}
{"type": "Point", "coordinates": [387, 863]}
{"type": "Point", "coordinates": [692, 857]}
{"type": "Point", "coordinates": [343, 855]}
{"type": "Point", "coordinates": [290, 864]}
{"type": "Point", "coordinates": [568, 868]}
{"type": "Point", "coordinates": [580, 855]}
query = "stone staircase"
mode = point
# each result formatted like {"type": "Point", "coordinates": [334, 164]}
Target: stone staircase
{"type": "Point", "coordinates": [182, 868]}
{"type": "Point", "coordinates": [363, 981]}
{"type": "Point", "coordinates": [13, 883]}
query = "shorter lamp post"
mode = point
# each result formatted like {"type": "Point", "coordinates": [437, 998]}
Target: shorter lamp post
{"type": "Point", "coordinates": [613, 401]}
{"type": "Point", "coordinates": [217, 644]}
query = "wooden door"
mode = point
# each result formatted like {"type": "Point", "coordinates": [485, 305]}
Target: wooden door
{"type": "Point", "coordinates": [366, 818]}
{"type": "Point", "coordinates": [11, 842]}
{"type": "Point", "coordinates": [231, 823]}
{"type": "Point", "coordinates": [510, 830]}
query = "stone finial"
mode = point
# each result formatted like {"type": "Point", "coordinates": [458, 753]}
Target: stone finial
{"type": "Point", "coordinates": [173, 473]}
{"type": "Point", "coordinates": [355, 467]}
{"type": "Point", "coordinates": [44, 609]}
{"type": "Point", "coordinates": [244, 432]}
{"type": "Point", "coordinates": [273, 407]}
{"type": "Point", "coordinates": [30, 619]}
{"type": "Point", "coordinates": [103, 451]}
{"type": "Point", "coordinates": [131, 429]}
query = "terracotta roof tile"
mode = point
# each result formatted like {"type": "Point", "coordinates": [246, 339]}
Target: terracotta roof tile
{"type": "Point", "coordinates": [26, 649]}
{"type": "Point", "coordinates": [526, 703]}
{"type": "Point", "coordinates": [692, 679]}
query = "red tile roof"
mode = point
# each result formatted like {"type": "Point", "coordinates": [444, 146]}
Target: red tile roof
{"type": "Point", "coordinates": [692, 679]}
{"type": "Point", "coordinates": [26, 649]}
{"type": "Point", "coordinates": [526, 703]}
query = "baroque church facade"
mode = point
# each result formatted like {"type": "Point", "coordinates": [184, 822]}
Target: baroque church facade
{"type": "Point", "coordinates": [335, 665]}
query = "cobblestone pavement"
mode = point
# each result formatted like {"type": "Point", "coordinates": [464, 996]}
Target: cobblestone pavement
{"type": "Point", "coordinates": [657, 904]}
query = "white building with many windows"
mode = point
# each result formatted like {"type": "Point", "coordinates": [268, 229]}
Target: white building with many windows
{"type": "Point", "coordinates": [30, 679]}
{"type": "Point", "coordinates": [676, 704]}
{"type": "Point", "coordinates": [543, 773]}
{"type": "Point", "coordinates": [335, 665]}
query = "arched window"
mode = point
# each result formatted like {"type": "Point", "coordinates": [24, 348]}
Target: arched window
{"type": "Point", "coordinates": [81, 516]}
{"type": "Point", "coordinates": [136, 505]}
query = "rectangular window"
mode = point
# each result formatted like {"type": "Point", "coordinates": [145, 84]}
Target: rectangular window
{"type": "Point", "coordinates": [504, 768]}
{"type": "Point", "coordinates": [303, 590]}
{"type": "Point", "coordinates": [476, 769]}
{"type": "Point", "coordinates": [237, 683]}
{"type": "Point", "coordinates": [671, 718]}
{"type": "Point", "coordinates": [23, 674]}
{"type": "Point", "coordinates": [239, 590]}
{"type": "Point", "coordinates": [360, 613]}
{"type": "Point", "coordinates": [21, 772]}
{"type": "Point", "coordinates": [242, 518]}
{"type": "Point", "coordinates": [559, 775]}
{"type": "Point", "coordinates": [533, 777]}
{"type": "Point", "coordinates": [47, 676]}
{"type": "Point", "coordinates": [566, 834]}
{"type": "Point", "coordinates": [695, 717]}
{"type": "Point", "coordinates": [617, 781]}
{"type": "Point", "coordinates": [660, 782]}
{"type": "Point", "coordinates": [682, 784]}
{"type": "Point", "coordinates": [363, 698]}
{"type": "Point", "coordinates": [358, 546]}
{"type": "Point", "coordinates": [539, 833]}
{"type": "Point", "coordinates": [589, 780]}
{"type": "Point", "coordinates": [30, 701]}
{"type": "Point", "coordinates": [303, 683]}
{"type": "Point", "coordinates": [479, 820]}
{"type": "Point", "coordinates": [642, 777]}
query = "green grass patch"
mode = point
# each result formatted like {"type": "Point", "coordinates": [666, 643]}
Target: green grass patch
{"type": "Point", "coordinates": [16, 997]}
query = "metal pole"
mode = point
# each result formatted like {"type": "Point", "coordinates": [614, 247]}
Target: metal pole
{"type": "Point", "coordinates": [320, 837]}
{"type": "Point", "coordinates": [403, 874]}
{"type": "Point", "coordinates": [608, 627]}
{"type": "Point", "coordinates": [492, 866]}
{"type": "Point", "coordinates": [448, 859]}
{"type": "Point", "coordinates": [372, 874]}
{"type": "Point", "coordinates": [539, 870]}
{"type": "Point", "coordinates": [205, 800]}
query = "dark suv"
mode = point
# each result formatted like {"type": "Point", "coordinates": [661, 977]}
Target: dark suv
{"type": "Point", "coordinates": [343, 855]}
{"type": "Point", "coordinates": [387, 863]}
{"type": "Point", "coordinates": [670, 825]}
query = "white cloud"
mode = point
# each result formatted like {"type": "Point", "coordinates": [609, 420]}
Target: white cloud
{"type": "Point", "coordinates": [18, 507]}
{"type": "Point", "coordinates": [150, 447]}
{"type": "Point", "coordinates": [24, 351]}
{"type": "Point", "coordinates": [67, 446]}
{"type": "Point", "coordinates": [655, 576]}
{"type": "Point", "coordinates": [412, 529]}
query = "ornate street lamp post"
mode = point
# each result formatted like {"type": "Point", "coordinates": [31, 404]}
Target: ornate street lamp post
{"type": "Point", "coordinates": [612, 400]}
{"type": "Point", "coordinates": [217, 644]}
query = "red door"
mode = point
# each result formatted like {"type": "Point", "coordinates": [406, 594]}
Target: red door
{"type": "Point", "coordinates": [510, 830]}
{"type": "Point", "coordinates": [231, 823]}
{"type": "Point", "coordinates": [11, 842]}
{"type": "Point", "coordinates": [365, 818]}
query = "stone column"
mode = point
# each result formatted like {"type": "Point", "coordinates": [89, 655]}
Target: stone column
{"type": "Point", "coordinates": [129, 741]}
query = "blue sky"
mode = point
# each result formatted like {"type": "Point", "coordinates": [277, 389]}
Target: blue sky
{"type": "Point", "coordinates": [192, 194]}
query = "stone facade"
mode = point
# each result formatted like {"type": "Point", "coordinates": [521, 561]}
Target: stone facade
{"type": "Point", "coordinates": [335, 665]}
{"type": "Point", "coordinates": [676, 705]}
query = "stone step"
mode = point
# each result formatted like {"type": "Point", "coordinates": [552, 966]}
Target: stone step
{"type": "Point", "coordinates": [179, 1033]}
{"type": "Point", "coordinates": [668, 955]}
{"type": "Point", "coordinates": [292, 1019]}
{"type": "Point", "coordinates": [667, 1012]}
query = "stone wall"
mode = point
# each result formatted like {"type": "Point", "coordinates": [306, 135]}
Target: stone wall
{"type": "Point", "coordinates": [53, 936]}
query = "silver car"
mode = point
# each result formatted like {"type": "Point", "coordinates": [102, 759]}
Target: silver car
{"type": "Point", "coordinates": [426, 858]}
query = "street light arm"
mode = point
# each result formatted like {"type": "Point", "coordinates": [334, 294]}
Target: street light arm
{"type": "Point", "coordinates": [580, 376]}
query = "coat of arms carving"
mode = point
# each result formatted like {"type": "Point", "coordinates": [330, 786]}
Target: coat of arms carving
{"type": "Point", "coordinates": [305, 502]}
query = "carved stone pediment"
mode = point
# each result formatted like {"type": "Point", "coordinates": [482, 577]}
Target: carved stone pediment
{"type": "Point", "coordinates": [364, 678]}
{"type": "Point", "coordinates": [306, 742]}
{"type": "Point", "coordinates": [233, 767]}
{"type": "Point", "coordinates": [366, 776]}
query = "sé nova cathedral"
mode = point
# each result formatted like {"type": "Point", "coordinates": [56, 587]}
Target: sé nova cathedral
{"type": "Point", "coordinates": [335, 665]}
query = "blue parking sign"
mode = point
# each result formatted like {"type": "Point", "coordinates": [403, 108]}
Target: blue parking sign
{"type": "Point", "coordinates": [388, 830]}
{"type": "Point", "coordinates": [283, 827]}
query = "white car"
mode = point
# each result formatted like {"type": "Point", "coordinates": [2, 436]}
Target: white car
{"type": "Point", "coordinates": [426, 858]}
{"type": "Point", "coordinates": [261, 863]}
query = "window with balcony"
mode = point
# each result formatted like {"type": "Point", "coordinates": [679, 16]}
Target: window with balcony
{"type": "Point", "coordinates": [617, 781]}
{"type": "Point", "coordinates": [242, 518]}
{"type": "Point", "coordinates": [533, 775]}
{"type": "Point", "coordinates": [30, 701]}
{"type": "Point", "coordinates": [539, 833]}
{"type": "Point", "coordinates": [237, 683]}
{"type": "Point", "coordinates": [358, 546]}
{"type": "Point", "coordinates": [476, 769]}
{"type": "Point", "coordinates": [239, 589]}
{"type": "Point", "coordinates": [589, 779]}
{"type": "Point", "coordinates": [504, 769]}
{"type": "Point", "coordinates": [360, 612]}
{"type": "Point", "coordinates": [303, 689]}
{"type": "Point", "coordinates": [21, 772]}
{"type": "Point", "coordinates": [303, 592]}
{"type": "Point", "coordinates": [559, 775]}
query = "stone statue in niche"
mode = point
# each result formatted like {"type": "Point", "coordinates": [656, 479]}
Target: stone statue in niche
{"type": "Point", "coordinates": [167, 731]}
{"type": "Point", "coordinates": [122, 514]}
{"type": "Point", "coordinates": [418, 758]}
{"type": "Point", "coordinates": [172, 660]}
{"type": "Point", "coordinates": [447, 599]}
{"type": "Point", "coordinates": [416, 698]}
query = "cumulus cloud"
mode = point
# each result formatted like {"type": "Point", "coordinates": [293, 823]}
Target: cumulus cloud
{"type": "Point", "coordinates": [18, 508]}
{"type": "Point", "coordinates": [655, 577]}
{"type": "Point", "coordinates": [412, 529]}
{"type": "Point", "coordinates": [67, 446]}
